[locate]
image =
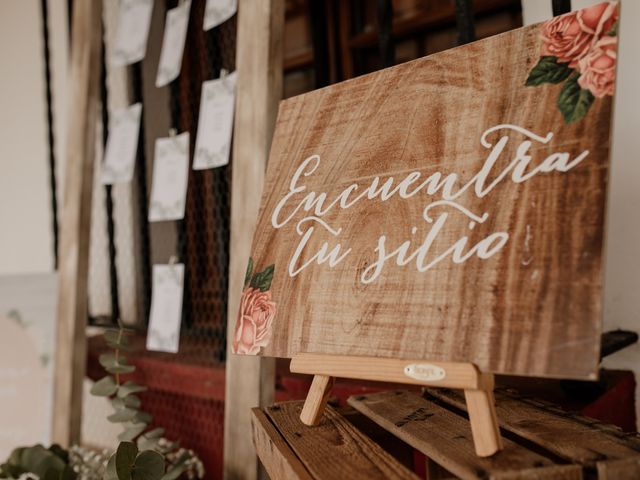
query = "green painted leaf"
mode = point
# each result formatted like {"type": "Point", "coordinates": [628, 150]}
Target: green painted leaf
{"type": "Point", "coordinates": [104, 387]}
{"type": "Point", "coordinates": [262, 280]}
{"type": "Point", "coordinates": [132, 432]}
{"type": "Point", "coordinates": [149, 465]}
{"type": "Point", "coordinates": [122, 415]}
{"type": "Point", "coordinates": [127, 388]}
{"type": "Point", "coordinates": [573, 101]}
{"type": "Point", "coordinates": [614, 30]}
{"type": "Point", "coordinates": [548, 70]}
{"type": "Point", "coordinates": [125, 459]}
{"type": "Point", "coordinates": [247, 276]}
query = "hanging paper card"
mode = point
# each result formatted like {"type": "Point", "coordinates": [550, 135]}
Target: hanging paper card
{"type": "Point", "coordinates": [175, 34]}
{"type": "Point", "coordinates": [215, 123]}
{"type": "Point", "coordinates": [134, 20]}
{"type": "Point", "coordinates": [170, 174]}
{"type": "Point", "coordinates": [163, 334]}
{"type": "Point", "coordinates": [447, 209]}
{"type": "Point", "coordinates": [122, 145]}
{"type": "Point", "coordinates": [218, 11]}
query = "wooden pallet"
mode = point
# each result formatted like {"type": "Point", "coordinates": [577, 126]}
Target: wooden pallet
{"type": "Point", "coordinates": [376, 437]}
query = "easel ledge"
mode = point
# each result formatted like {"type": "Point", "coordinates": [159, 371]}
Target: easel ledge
{"type": "Point", "coordinates": [478, 387]}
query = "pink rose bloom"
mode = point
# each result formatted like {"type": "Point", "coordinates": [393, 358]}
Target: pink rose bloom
{"type": "Point", "coordinates": [598, 68]}
{"type": "Point", "coordinates": [569, 37]}
{"type": "Point", "coordinates": [253, 326]}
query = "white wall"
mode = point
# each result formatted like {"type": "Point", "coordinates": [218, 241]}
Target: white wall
{"type": "Point", "coordinates": [622, 273]}
{"type": "Point", "coordinates": [26, 238]}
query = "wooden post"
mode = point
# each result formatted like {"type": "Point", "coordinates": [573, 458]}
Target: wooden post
{"type": "Point", "coordinates": [75, 223]}
{"type": "Point", "coordinates": [250, 381]}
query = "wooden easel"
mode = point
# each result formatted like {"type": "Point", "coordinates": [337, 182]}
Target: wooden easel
{"type": "Point", "coordinates": [477, 386]}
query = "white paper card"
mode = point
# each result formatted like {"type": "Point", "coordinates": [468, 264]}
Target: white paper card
{"type": "Point", "coordinates": [134, 20]}
{"type": "Point", "coordinates": [215, 123]}
{"type": "Point", "coordinates": [122, 145]}
{"type": "Point", "coordinates": [170, 175]}
{"type": "Point", "coordinates": [163, 334]}
{"type": "Point", "coordinates": [175, 34]}
{"type": "Point", "coordinates": [218, 11]}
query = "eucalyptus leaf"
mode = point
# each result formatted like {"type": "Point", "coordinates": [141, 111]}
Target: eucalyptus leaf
{"type": "Point", "coordinates": [149, 465]}
{"type": "Point", "coordinates": [155, 433]}
{"type": "Point", "coordinates": [122, 415]}
{"type": "Point", "coordinates": [146, 443]}
{"type": "Point", "coordinates": [120, 368]}
{"type": "Point", "coordinates": [132, 432]}
{"type": "Point", "coordinates": [125, 459]}
{"type": "Point", "coordinates": [110, 473]}
{"type": "Point", "coordinates": [132, 401]}
{"type": "Point", "coordinates": [104, 387]}
{"type": "Point", "coordinates": [130, 387]}
{"type": "Point", "coordinates": [68, 473]}
{"type": "Point", "coordinates": [174, 472]}
{"type": "Point", "coordinates": [142, 417]}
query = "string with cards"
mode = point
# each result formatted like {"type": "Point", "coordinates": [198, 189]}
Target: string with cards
{"type": "Point", "coordinates": [171, 156]}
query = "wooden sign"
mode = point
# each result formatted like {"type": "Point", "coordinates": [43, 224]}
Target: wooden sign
{"type": "Point", "coordinates": [448, 209]}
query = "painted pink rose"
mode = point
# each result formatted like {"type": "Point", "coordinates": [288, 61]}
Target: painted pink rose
{"type": "Point", "coordinates": [569, 37]}
{"type": "Point", "coordinates": [598, 68]}
{"type": "Point", "coordinates": [253, 326]}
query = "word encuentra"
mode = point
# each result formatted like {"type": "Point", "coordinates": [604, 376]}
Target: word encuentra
{"type": "Point", "coordinates": [315, 205]}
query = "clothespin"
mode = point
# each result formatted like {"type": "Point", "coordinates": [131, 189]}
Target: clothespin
{"type": "Point", "coordinates": [223, 73]}
{"type": "Point", "coordinates": [173, 260]}
{"type": "Point", "coordinates": [172, 132]}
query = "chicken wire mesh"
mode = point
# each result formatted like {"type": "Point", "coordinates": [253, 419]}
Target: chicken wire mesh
{"type": "Point", "coordinates": [124, 247]}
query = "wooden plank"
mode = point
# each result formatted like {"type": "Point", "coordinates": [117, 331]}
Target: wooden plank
{"type": "Point", "coordinates": [71, 319]}
{"type": "Point", "coordinates": [400, 204]}
{"type": "Point", "coordinates": [334, 448]}
{"type": "Point", "coordinates": [454, 375]}
{"type": "Point", "coordinates": [627, 469]}
{"type": "Point", "coordinates": [445, 438]}
{"type": "Point", "coordinates": [250, 381]}
{"type": "Point", "coordinates": [571, 437]}
{"type": "Point", "coordinates": [276, 456]}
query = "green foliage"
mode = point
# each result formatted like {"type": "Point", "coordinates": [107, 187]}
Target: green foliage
{"type": "Point", "coordinates": [573, 101]}
{"type": "Point", "coordinates": [247, 276]}
{"type": "Point", "coordinates": [47, 464]}
{"type": "Point", "coordinates": [104, 387]}
{"type": "Point", "coordinates": [262, 280]}
{"type": "Point", "coordinates": [548, 70]}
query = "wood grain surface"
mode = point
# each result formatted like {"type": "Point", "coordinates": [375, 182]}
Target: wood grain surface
{"type": "Point", "coordinates": [334, 448]}
{"type": "Point", "coordinates": [445, 438]}
{"type": "Point", "coordinates": [570, 437]}
{"type": "Point", "coordinates": [494, 244]}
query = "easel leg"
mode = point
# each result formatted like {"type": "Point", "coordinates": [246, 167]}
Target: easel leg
{"type": "Point", "coordinates": [316, 399]}
{"type": "Point", "coordinates": [484, 421]}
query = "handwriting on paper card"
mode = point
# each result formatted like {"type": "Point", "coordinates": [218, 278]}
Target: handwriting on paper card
{"type": "Point", "coordinates": [175, 34]}
{"type": "Point", "coordinates": [122, 144]}
{"type": "Point", "coordinates": [170, 176]}
{"type": "Point", "coordinates": [447, 188]}
{"type": "Point", "coordinates": [134, 20]}
{"type": "Point", "coordinates": [166, 308]}
{"type": "Point", "coordinates": [215, 123]}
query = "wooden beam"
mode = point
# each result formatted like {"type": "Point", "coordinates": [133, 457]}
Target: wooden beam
{"type": "Point", "coordinates": [73, 269]}
{"type": "Point", "coordinates": [250, 381]}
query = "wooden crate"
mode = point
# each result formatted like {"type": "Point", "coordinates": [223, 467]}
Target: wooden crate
{"type": "Point", "coordinates": [378, 434]}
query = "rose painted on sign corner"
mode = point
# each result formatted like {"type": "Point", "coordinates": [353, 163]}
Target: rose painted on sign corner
{"type": "Point", "coordinates": [579, 50]}
{"type": "Point", "coordinates": [256, 313]}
